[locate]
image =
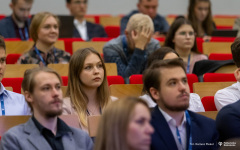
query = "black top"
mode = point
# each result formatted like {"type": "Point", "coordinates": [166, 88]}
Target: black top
{"type": "Point", "coordinates": [54, 141]}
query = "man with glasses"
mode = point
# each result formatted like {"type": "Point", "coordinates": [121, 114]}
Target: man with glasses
{"type": "Point", "coordinates": [82, 28]}
{"type": "Point", "coordinates": [17, 25]}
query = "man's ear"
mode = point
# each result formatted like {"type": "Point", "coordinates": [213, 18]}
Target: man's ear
{"type": "Point", "coordinates": [126, 33]}
{"type": "Point", "coordinates": [28, 96]}
{"type": "Point", "coordinates": [154, 93]}
{"type": "Point", "coordinates": [68, 5]}
{"type": "Point", "coordinates": [138, 5]}
{"type": "Point", "coordinates": [11, 5]}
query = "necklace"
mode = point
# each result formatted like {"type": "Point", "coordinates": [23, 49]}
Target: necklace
{"type": "Point", "coordinates": [93, 111]}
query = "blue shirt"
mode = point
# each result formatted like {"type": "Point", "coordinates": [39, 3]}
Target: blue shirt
{"type": "Point", "coordinates": [14, 103]}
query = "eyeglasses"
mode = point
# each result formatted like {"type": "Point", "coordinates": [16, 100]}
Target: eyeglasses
{"type": "Point", "coordinates": [3, 60]}
{"type": "Point", "coordinates": [184, 33]}
{"type": "Point", "coordinates": [80, 2]}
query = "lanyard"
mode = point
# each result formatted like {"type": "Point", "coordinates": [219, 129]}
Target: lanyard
{"type": "Point", "coordinates": [188, 65]}
{"type": "Point", "coordinates": [40, 56]}
{"type": "Point", "coordinates": [190, 136]}
{"type": "Point", "coordinates": [2, 105]}
{"type": "Point", "coordinates": [88, 113]}
{"type": "Point", "coordinates": [25, 32]}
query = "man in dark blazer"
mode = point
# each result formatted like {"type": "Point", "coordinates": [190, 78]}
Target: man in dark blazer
{"type": "Point", "coordinates": [44, 130]}
{"type": "Point", "coordinates": [17, 25]}
{"type": "Point", "coordinates": [82, 28]}
{"type": "Point", "coordinates": [175, 126]}
{"type": "Point", "coordinates": [228, 121]}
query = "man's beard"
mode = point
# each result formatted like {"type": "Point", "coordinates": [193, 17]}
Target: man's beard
{"type": "Point", "coordinates": [176, 108]}
{"type": "Point", "coordinates": [52, 114]}
{"type": "Point", "coordinates": [18, 18]}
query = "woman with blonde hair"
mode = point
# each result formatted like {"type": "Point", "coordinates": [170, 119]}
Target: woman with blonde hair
{"type": "Point", "coordinates": [125, 125]}
{"type": "Point", "coordinates": [44, 30]}
{"type": "Point", "coordinates": [87, 93]}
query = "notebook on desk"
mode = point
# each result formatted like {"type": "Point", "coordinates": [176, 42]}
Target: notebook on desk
{"type": "Point", "coordinates": [66, 26]}
{"type": "Point", "coordinates": [225, 33]}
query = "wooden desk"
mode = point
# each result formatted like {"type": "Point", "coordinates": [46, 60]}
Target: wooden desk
{"type": "Point", "coordinates": [209, 114]}
{"type": "Point", "coordinates": [209, 88]}
{"type": "Point", "coordinates": [124, 90]}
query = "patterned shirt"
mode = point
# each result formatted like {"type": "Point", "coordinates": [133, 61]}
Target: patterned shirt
{"type": "Point", "coordinates": [53, 56]}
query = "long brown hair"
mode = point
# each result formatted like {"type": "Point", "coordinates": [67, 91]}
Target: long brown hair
{"type": "Point", "coordinates": [178, 22]}
{"type": "Point", "coordinates": [112, 129]}
{"type": "Point", "coordinates": [207, 24]}
{"type": "Point", "coordinates": [75, 87]}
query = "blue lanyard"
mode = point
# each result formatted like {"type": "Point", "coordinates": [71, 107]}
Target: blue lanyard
{"type": "Point", "coordinates": [190, 136]}
{"type": "Point", "coordinates": [188, 65]}
{"type": "Point", "coordinates": [25, 32]}
{"type": "Point", "coordinates": [179, 137]}
{"type": "Point", "coordinates": [2, 105]}
{"type": "Point", "coordinates": [40, 56]}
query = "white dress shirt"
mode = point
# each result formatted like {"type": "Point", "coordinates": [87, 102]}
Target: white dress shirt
{"type": "Point", "coordinates": [195, 103]}
{"type": "Point", "coordinates": [182, 129]}
{"type": "Point", "coordinates": [82, 28]}
{"type": "Point", "coordinates": [14, 103]}
{"type": "Point", "coordinates": [227, 95]}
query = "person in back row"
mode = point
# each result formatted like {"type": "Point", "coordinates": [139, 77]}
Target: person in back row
{"type": "Point", "coordinates": [148, 7]}
{"type": "Point", "coordinates": [175, 126]}
{"type": "Point", "coordinates": [164, 53]}
{"type": "Point", "coordinates": [44, 31]}
{"type": "Point", "coordinates": [200, 15]}
{"type": "Point", "coordinates": [230, 94]}
{"type": "Point", "coordinates": [83, 29]}
{"type": "Point", "coordinates": [44, 130]}
{"type": "Point", "coordinates": [12, 103]}
{"type": "Point", "coordinates": [181, 37]}
{"type": "Point", "coordinates": [130, 51]}
{"type": "Point", "coordinates": [17, 25]}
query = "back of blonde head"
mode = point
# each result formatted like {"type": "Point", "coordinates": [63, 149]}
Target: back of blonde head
{"type": "Point", "coordinates": [138, 21]}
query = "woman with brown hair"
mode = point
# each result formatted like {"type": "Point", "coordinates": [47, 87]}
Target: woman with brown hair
{"type": "Point", "coordinates": [200, 14]}
{"type": "Point", "coordinates": [125, 125]}
{"type": "Point", "coordinates": [87, 92]}
{"type": "Point", "coordinates": [181, 37]}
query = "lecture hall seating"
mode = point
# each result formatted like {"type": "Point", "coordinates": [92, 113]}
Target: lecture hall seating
{"type": "Point", "coordinates": [219, 77]}
{"type": "Point", "coordinates": [208, 103]}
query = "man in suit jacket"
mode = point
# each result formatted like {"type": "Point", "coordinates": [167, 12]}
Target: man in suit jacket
{"type": "Point", "coordinates": [228, 121]}
{"type": "Point", "coordinates": [175, 126]}
{"type": "Point", "coordinates": [82, 28]}
{"type": "Point", "coordinates": [44, 130]}
{"type": "Point", "coordinates": [17, 25]}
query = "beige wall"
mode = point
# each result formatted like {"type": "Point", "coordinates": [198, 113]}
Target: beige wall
{"type": "Point", "coordinates": [116, 7]}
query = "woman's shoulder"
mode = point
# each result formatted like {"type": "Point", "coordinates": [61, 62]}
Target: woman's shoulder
{"type": "Point", "coordinates": [67, 106]}
{"type": "Point", "coordinates": [199, 56]}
